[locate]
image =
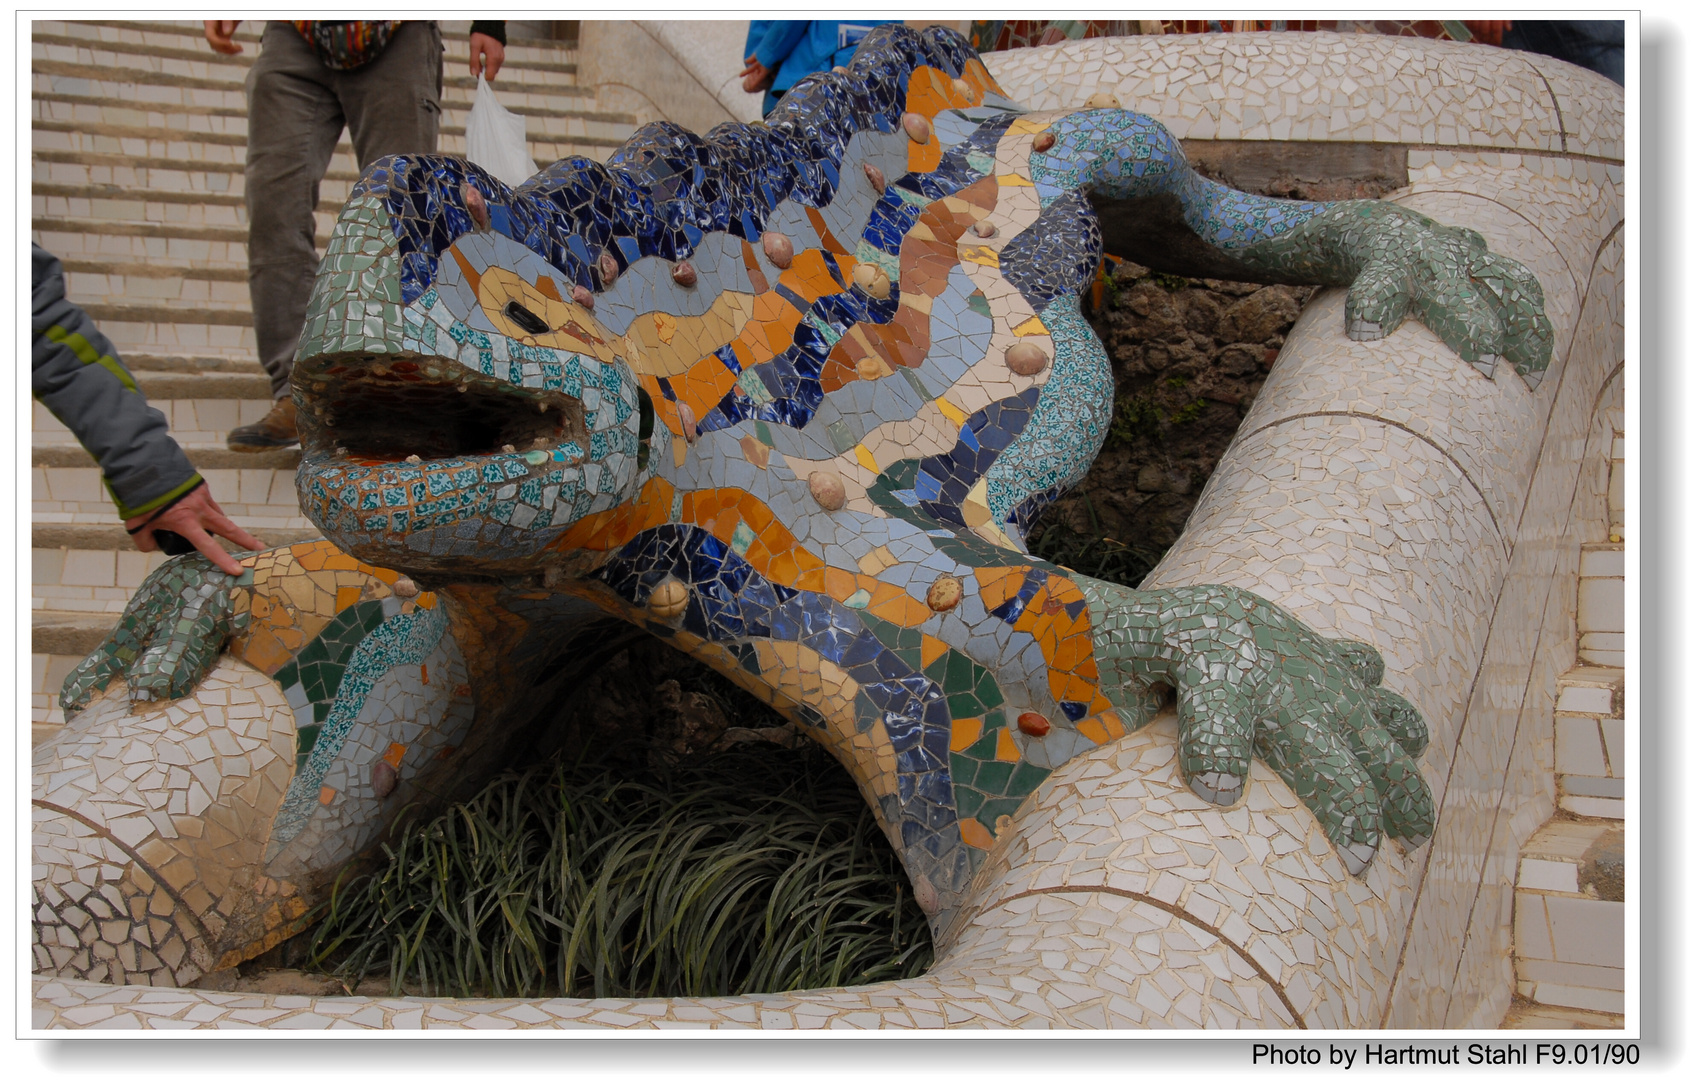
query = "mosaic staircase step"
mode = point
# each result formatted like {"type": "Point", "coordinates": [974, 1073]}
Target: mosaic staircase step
{"type": "Point", "coordinates": [1591, 735]}
{"type": "Point", "coordinates": [1530, 1015]}
{"type": "Point", "coordinates": [1602, 613]}
{"type": "Point", "coordinates": [1569, 916]}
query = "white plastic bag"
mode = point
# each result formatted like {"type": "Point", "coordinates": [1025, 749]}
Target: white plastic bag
{"type": "Point", "coordinates": [497, 138]}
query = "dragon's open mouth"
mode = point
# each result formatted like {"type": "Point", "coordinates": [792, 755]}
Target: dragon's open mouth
{"type": "Point", "coordinates": [387, 408]}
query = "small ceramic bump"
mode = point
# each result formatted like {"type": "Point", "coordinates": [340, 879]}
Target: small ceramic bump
{"type": "Point", "coordinates": [688, 421]}
{"type": "Point", "coordinates": [778, 249]}
{"type": "Point", "coordinates": [1044, 142]}
{"type": "Point", "coordinates": [582, 296]}
{"type": "Point", "coordinates": [873, 280]}
{"type": "Point", "coordinates": [1026, 358]}
{"type": "Point", "coordinates": [1102, 100]}
{"type": "Point", "coordinates": [962, 88]}
{"type": "Point", "coordinates": [684, 275]}
{"type": "Point", "coordinates": [875, 176]}
{"type": "Point", "coordinates": [476, 208]}
{"type": "Point", "coordinates": [384, 779]}
{"type": "Point", "coordinates": [984, 228]}
{"type": "Point", "coordinates": [945, 592]}
{"type": "Point", "coordinates": [405, 588]}
{"type": "Point", "coordinates": [608, 268]}
{"type": "Point", "coordinates": [828, 490]}
{"type": "Point", "coordinates": [508, 448]}
{"type": "Point", "coordinates": [412, 459]}
{"type": "Point", "coordinates": [917, 127]}
{"type": "Point", "coordinates": [1033, 724]}
{"type": "Point", "coordinates": [668, 599]}
{"type": "Point", "coordinates": [869, 367]}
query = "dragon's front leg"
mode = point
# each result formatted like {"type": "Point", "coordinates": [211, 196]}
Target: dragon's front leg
{"type": "Point", "coordinates": [1394, 261]}
{"type": "Point", "coordinates": [1251, 679]}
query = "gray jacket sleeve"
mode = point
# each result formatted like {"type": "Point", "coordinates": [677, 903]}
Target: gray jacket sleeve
{"type": "Point", "coordinates": [75, 373]}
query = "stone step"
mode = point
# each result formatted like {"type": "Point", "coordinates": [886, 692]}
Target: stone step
{"type": "Point", "coordinates": [188, 365]}
{"type": "Point", "coordinates": [168, 328]}
{"type": "Point", "coordinates": [1591, 739]}
{"type": "Point", "coordinates": [1570, 916]}
{"type": "Point", "coordinates": [97, 574]}
{"type": "Point", "coordinates": [252, 497]}
{"type": "Point", "coordinates": [163, 37]}
{"type": "Point", "coordinates": [77, 69]}
{"type": "Point", "coordinates": [229, 126]}
{"type": "Point", "coordinates": [194, 422]}
{"type": "Point", "coordinates": [202, 457]}
{"type": "Point", "coordinates": [138, 283]}
{"type": "Point", "coordinates": [47, 675]}
{"type": "Point", "coordinates": [68, 633]}
{"type": "Point", "coordinates": [114, 538]}
{"type": "Point", "coordinates": [1601, 615]}
{"type": "Point", "coordinates": [150, 146]}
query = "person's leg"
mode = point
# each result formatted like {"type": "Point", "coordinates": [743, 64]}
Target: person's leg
{"type": "Point", "coordinates": [294, 123]}
{"type": "Point", "coordinates": [393, 103]}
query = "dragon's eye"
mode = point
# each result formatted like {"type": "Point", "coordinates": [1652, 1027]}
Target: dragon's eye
{"type": "Point", "coordinates": [526, 320]}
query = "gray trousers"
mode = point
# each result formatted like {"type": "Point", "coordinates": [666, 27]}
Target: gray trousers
{"type": "Point", "coordinates": [297, 109]}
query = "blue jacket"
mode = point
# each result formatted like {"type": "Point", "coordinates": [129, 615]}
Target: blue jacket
{"type": "Point", "coordinates": [793, 48]}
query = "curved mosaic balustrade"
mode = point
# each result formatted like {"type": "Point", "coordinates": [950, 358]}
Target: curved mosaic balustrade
{"type": "Point", "coordinates": [1250, 907]}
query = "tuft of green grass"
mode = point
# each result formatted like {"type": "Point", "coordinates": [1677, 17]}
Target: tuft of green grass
{"type": "Point", "coordinates": [755, 870]}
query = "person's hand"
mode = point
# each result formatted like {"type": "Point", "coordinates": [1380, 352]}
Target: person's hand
{"type": "Point", "coordinates": [193, 517]}
{"type": "Point", "coordinates": [1488, 31]}
{"type": "Point", "coordinates": [755, 76]}
{"type": "Point", "coordinates": [487, 48]}
{"type": "Point", "coordinates": [219, 33]}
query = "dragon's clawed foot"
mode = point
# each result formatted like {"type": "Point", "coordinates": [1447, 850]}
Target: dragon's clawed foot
{"type": "Point", "coordinates": [1312, 708]}
{"type": "Point", "coordinates": [168, 638]}
{"type": "Point", "coordinates": [1481, 304]}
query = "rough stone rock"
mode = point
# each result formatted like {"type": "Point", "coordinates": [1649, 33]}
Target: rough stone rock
{"type": "Point", "coordinates": [1033, 724]}
{"type": "Point", "coordinates": [668, 600]}
{"type": "Point", "coordinates": [945, 592]}
{"type": "Point", "coordinates": [873, 280]}
{"type": "Point", "coordinates": [1026, 358]}
{"type": "Point", "coordinates": [778, 249]}
{"type": "Point", "coordinates": [828, 490]}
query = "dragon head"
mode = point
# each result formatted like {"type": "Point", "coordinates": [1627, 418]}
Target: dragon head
{"type": "Point", "coordinates": [459, 408]}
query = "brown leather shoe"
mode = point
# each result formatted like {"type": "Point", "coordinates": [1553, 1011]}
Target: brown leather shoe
{"type": "Point", "coordinates": [276, 429]}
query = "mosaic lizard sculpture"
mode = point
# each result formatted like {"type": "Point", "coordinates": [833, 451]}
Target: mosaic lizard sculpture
{"type": "Point", "coordinates": [789, 396]}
